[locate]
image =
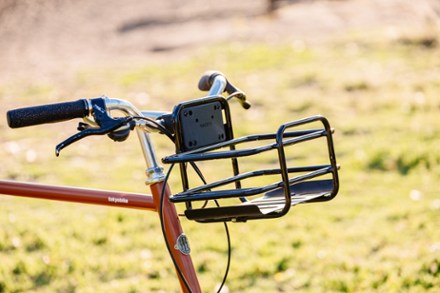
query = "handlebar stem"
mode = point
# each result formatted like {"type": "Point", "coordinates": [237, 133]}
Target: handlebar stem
{"type": "Point", "coordinates": [154, 170]}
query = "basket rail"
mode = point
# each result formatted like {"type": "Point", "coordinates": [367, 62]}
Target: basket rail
{"type": "Point", "coordinates": [296, 184]}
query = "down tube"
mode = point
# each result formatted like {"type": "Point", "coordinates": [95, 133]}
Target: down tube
{"type": "Point", "coordinates": [174, 232]}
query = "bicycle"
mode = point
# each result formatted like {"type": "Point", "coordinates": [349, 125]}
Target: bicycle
{"type": "Point", "coordinates": [201, 131]}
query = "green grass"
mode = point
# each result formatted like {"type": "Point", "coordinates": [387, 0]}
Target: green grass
{"type": "Point", "coordinates": [379, 235]}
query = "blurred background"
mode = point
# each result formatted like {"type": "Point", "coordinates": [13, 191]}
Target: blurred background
{"type": "Point", "coordinates": [371, 67]}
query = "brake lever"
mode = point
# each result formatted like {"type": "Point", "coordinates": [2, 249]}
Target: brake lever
{"type": "Point", "coordinates": [241, 97]}
{"type": "Point", "coordinates": [118, 122]}
{"type": "Point", "coordinates": [106, 124]}
{"type": "Point", "coordinates": [214, 81]}
{"type": "Point", "coordinates": [83, 126]}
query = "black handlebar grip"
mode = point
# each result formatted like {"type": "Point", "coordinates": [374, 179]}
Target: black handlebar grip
{"type": "Point", "coordinates": [47, 113]}
{"type": "Point", "coordinates": [206, 80]}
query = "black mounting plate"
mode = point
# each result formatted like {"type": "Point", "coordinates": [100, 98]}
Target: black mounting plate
{"type": "Point", "coordinates": [201, 122]}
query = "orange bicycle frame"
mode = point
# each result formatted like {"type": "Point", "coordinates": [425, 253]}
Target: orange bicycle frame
{"type": "Point", "coordinates": [171, 220]}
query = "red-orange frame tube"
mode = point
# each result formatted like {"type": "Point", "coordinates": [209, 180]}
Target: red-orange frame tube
{"type": "Point", "coordinates": [173, 230]}
{"type": "Point", "coordinates": [79, 195]}
{"type": "Point", "coordinates": [119, 199]}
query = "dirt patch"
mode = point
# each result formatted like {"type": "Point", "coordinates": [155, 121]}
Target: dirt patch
{"type": "Point", "coordinates": [56, 37]}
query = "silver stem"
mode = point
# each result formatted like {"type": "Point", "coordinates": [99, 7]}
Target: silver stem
{"type": "Point", "coordinates": [154, 170]}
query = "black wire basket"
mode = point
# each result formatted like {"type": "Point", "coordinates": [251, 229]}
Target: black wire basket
{"type": "Point", "coordinates": [287, 181]}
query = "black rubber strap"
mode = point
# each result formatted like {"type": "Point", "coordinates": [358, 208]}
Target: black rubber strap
{"type": "Point", "coordinates": [47, 113]}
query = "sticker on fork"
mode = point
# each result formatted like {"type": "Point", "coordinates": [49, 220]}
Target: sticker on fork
{"type": "Point", "coordinates": [182, 244]}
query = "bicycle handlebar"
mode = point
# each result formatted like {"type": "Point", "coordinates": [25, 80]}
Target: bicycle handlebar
{"type": "Point", "coordinates": [47, 113]}
{"type": "Point", "coordinates": [213, 81]}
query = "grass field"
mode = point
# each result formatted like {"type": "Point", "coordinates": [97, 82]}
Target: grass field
{"type": "Point", "coordinates": [381, 234]}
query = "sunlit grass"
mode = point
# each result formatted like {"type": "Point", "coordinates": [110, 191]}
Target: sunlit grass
{"type": "Point", "coordinates": [380, 234]}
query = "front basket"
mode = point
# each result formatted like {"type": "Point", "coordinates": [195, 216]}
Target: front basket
{"type": "Point", "coordinates": [288, 181]}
